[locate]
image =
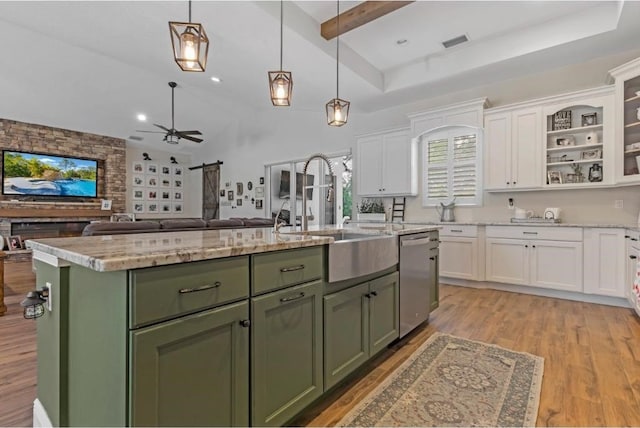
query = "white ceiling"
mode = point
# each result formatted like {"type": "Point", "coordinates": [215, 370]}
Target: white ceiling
{"type": "Point", "coordinates": [93, 65]}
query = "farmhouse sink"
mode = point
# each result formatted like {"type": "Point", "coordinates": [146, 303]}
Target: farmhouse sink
{"type": "Point", "coordinates": [356, 254]}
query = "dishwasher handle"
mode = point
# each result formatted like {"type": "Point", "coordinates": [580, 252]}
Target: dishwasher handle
{"type": "Point", "coordinates": [413, 242]}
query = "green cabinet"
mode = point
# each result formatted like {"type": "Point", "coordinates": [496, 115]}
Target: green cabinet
{"type": "Point", "coordinates": [192, 371]}
{"type": "Point", "coordinates": [358, 323]}
{"type": "Point", "coordinates": [286, 353]}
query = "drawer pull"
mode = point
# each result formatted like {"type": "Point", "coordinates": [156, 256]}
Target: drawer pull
{"type": "Point", "coordinates": [530, 233]}
{"type": "Point", "coordinates": [456, 230]}
{"type": "Point", "coordinates": [204, 287]}
{"type": "Point", "coordinates": [290, 299]}
{"type": "Point", "coordinates": [633, 257]}
{"type": "Point", "coordinates": [245, 323]}
{"type": "Point", "coordinates": [292, 268]}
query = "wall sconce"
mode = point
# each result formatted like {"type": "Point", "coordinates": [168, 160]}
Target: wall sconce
{"type": "Point", "coordinates": [33, 304]}
{"type": "Point", "coordinates": [145, 156]}
{"type": "Point", "coordinates": [173, 159]}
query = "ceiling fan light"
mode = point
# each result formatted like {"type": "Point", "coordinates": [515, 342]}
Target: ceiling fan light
{"type": "Point", "coordinates": [337, 112]}
{"type": "Point", "coordinates": [190, 45]}
{"type": "Point", "coordinates": [280, 87]}
{"type": "Point", "coordinates": [172, 139]}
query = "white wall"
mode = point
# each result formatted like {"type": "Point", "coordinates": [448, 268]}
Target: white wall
{"type": "Point", "coordinates": [280, 134]}
{"type": "Point", "coordinates": [192, 182]}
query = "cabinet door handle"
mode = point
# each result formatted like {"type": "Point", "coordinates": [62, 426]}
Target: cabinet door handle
{"type": "Point", "coordinates": [204, 287]}
{"type": "Point", "coordinates": [533, 246]}
{"type": "Point", "coordinates": [633, 257]}
{"type": "Point", "coordinates": [529, 233]}
{"type": "Point", "coordinates": [292, 268]}
{"type": "Point", "coordinates": [626, 237]}
{"type": "Point", "coordinates": [374, 293]}
{"type": "Point", "coordinates": [514, 183]}
{"type": "Point", "coordinates": [456, 230]}
{"type": "Point", "coordinates": [432, 258]}
{"type": "Point", "coordinates": [368, 295]}
{"type": "Point", "coordinates": [508, 183]}
{"type": "Point", "coordinates": [245, 323]}
{"type": "Point", "coordinates": [291, 299]}
{"type": "Point", "coordinates": [633, 239]}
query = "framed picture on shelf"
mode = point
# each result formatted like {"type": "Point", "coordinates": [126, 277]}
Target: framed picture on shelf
{"type": "Point", "coordinates": [594, 154]}
{"type": "Point", "coordinates": [590, 119]}
{"type": "Point", "coordinates": [14, 242]}
{"type": "Point", "coordinates": [571, 178]}
{"type": "Point", "coordinates": [562, 120]}
{"type": "Point", "coordinates": [554, 177]}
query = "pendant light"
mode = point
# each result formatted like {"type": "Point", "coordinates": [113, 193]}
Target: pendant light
{"type": "Point", "coordinates": [337, 109]}
{"type": "Point", "coordinates": [190, 44]}
{"type": "Point", "coordinates": [280, 82]}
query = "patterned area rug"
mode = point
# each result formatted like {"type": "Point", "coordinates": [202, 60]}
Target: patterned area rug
{"type": "Point", "coordinates": [450, 381]}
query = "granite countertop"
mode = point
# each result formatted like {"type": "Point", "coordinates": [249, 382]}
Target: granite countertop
{"type": "Point", "coordinates": [508, 223]}
{"type": "Point", "coordinates": [140, 250]}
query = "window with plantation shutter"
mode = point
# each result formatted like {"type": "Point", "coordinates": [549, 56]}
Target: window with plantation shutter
{"type": "Point", "coordinates": [452, 166]}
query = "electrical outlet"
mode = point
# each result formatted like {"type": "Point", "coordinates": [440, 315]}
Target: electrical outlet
{"type": "Point", "coordinates": [619, 203]}
{"type": "Point", "coordinates": [49, 304]}
{"type": "Point", "coordinates": [511, 205]}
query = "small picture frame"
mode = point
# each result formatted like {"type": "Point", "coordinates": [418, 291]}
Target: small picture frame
{"type": "Point", "coordinates": [259, 204]}
{"type": "Point", "coordinates": [222, 193]}
{"type": "Point", "coordinates": [570, 178]}
{"type": "Point", "coordinates": [14, 242]}
{"type": "Point", "coordinates": [165, 170]}
{"type": "Point", "coordinates": [239, 202]}
{"type": "Point", "coordinates": [152, 207]}
{"type": "Point", "coordinates": [177, 183]}
{"type": "Point", "coordinates": [177, 196]}
{"type": "Point", "coordinates": [165, 207]}
{"type": "Point", "coordinates": [152, 181]}
{"type": "Point", "coordinates": [138, 167]}
{"type": "Point", "coordinates": [152, 168]}
{"type": "Point", "coordinates": [105, 204]}
{"type": "Point", "coordinates": [123, 217]}
{"type": "Point", "coordinates": [562, 120]}
{"type": "Point", "coordinates": [554, 177]}
{"type": "Point", "coordinates": [261, 180]}
{"type": "Point", "coordinates": [138, 194]}
{"type": "Point", "coordinates": [590, 119]}
{"type": "Point", "coordinates": [230, 195]}
{"type": "Point", "coordinates": [239, 188]}
{"type": "Point", "coordinates": [249, 185]}
{"type": "Point", "coordinates": [177, 207]}
{"type": "Point", "coordinates": [138, 180]}
{"type": "Point", "coordinates": [138, 207]}
{"type": "Point", "coordinates": [177, 170]}
{"type": "Point", "coordinates": [594, 154]}
{"type": "Point", "coordinates": [166, 195]}
{"type": "Point", "coordinates": [259, 191]}
{"type": "Point", "coordinates": [166, 182]}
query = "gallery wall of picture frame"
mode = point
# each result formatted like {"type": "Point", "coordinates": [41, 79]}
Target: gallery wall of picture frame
{"type": "Point", "coordinates": [243, 194]}
{"type": "Point", "coordinates": [157, 188]}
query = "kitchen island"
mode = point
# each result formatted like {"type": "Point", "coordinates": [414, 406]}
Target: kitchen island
{"type": "Point", "coordinates": [220, 327]}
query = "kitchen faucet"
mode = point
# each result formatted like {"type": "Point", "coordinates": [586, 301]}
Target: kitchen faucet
{"type": "Point", "coordinates": [305, 225]}
{"type": "Point", "coordinates": [276, 225]}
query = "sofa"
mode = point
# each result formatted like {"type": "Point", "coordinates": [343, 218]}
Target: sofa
{"type": "Point", "coordinates": [172, 225]}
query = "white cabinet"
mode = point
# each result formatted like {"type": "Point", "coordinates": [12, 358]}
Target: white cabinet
{"type": "Point", "coordinates": [459, 252]}
{"type": "Point", "coordinates": [633, 269]}
{"type": "Point", "coordinates": [541, 262]}
{"type": "Point", "coordinates": [579, 140]}
{"type": "Point", "coordinates": [604, 262]}
{"type": "Point", "coordinates": [513, 142]}
{"type": "Point", "coordinates": [387, 164]}
{"type": "Point", "coordinates": [627, 121]}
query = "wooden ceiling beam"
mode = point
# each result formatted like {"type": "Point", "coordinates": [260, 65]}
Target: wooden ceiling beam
{"type": "Point", "coordinates": [359, 15]}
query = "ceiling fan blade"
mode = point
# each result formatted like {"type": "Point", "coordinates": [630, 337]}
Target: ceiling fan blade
{"type": "Point", "coordinates": [150, 132]}
{"type": "Point", "coordinates": [194, 139]}
{"type": "Point", "coordinates": [189, 132]}
{"type": "Point", "coordinates": [161, 127]}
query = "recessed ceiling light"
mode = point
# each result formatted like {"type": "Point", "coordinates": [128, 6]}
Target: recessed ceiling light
{"type": "Point", "coordinates": [142, 117]}
{"type": "Point", "coordinates": [402, 42]}
{"type": "Point", "coordinates": [216, 79]}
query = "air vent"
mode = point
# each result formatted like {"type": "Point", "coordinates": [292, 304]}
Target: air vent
{"type": "Point", "coordinates": [455, 41]}
{"type": "Point", "coordinates": [135, 138]}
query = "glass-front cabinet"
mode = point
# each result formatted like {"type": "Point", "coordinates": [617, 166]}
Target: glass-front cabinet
{"type": "Point", "coordinates": [578, 142]}
{"type": "Point", "coordinates": [627, 83]}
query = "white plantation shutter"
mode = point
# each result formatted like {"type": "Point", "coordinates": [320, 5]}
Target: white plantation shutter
{"type": "Point", "coordinates": [452, 167]}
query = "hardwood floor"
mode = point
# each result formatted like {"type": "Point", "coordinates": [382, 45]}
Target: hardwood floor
{"type": "Point", "coordinates": [591, 368]}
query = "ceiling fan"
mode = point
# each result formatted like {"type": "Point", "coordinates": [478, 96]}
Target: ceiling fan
{"type": "Point", "coordinates": [172, 135]}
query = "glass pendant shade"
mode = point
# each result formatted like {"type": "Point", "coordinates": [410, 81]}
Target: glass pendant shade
{"type": "Point", "coordinates": [337, 112]}
{"type": "Point", "coordinates": [190, 45]}
{"type": "Point", "coordinates": [280, 86]}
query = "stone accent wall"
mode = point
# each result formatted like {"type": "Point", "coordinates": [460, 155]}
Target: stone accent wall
{"type": "Point", "coordinates": [110, 153]}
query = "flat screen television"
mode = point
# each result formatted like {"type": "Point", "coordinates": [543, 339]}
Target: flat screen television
{"type": "Point", "coordinates": [285, 185]}
{"type": "Point", "coordinates": [45, 175]}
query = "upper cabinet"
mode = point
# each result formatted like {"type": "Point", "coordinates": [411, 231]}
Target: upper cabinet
{"type": "Point", "coordinates": [627, 122]}
{"type": "Point", "coordinates": [579, 141]}
{"type": "Point", "coordinates": [387, 164]}
{"type": "Point", "coordinates": [512, 149]}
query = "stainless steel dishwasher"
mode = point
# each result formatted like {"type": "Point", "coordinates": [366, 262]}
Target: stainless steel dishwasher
{"type": "Point", "coordinates": [418, 278]}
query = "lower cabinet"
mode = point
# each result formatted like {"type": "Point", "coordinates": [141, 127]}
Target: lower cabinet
{"type": "Point", "coordinates": [459, 257]}
{"type": "Point", "coordinates": [192, 371]}
{"type": "Point", "coordinates": [540, 263]}
{"type": "Point", "coordinates": [604, 262]}
{"type": "Point", "coordinates": [359, 322]}
{"type": "Point", "coordinates": [286, 348]}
